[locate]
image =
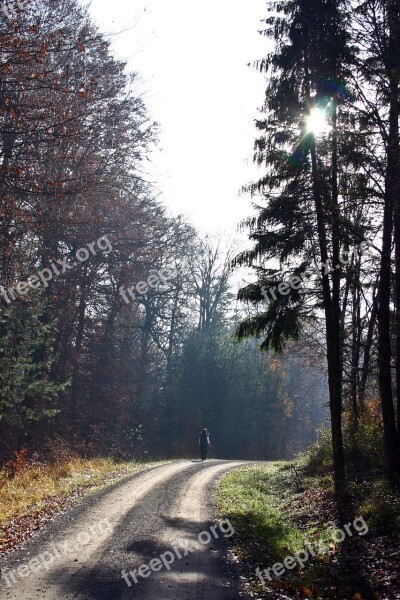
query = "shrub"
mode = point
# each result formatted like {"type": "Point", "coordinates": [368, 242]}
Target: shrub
{"type": "Point", "coordinates": [364, 451]}
{"type": "Point", "coordinates": [19, 463]}
{"type": "Point", "coordinates": [363, 448]}
{"type": "Point", "coordinates": [318, 458]}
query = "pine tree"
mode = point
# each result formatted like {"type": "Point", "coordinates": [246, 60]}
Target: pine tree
{"type": "Point", "coordinates": [303, 224]}
{"type": "Point", "coordinates": [28, 392]}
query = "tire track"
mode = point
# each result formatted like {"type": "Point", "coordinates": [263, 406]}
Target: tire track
{"type": "Point", "coordinates": [165, 507]}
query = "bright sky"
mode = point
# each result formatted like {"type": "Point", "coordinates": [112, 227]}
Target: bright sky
{"type": "Point", "coordinates": [192, 57]}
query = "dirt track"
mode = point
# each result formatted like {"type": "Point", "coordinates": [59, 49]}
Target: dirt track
{"type": "Point", "coordinates": [159, 512]}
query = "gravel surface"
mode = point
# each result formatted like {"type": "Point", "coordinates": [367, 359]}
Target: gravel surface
{"type": "Point", "coordinates": [102, 550]}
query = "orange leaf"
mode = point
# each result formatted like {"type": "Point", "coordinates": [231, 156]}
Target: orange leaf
{"type": "Point", "coordinates": [306, 591]}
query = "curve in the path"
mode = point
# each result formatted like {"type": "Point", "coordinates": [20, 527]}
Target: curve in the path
{"type": "Point", "coordinates": [157, 516]}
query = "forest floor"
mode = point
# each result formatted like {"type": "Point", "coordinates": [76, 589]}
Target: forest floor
{"type": "Point", "coordinates": [32, 495]}
{"type": "Point", "coordinates": [304, 542]}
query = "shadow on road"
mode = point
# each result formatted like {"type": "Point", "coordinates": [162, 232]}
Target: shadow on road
{"type": "Point", "coordinates": [179, 580]}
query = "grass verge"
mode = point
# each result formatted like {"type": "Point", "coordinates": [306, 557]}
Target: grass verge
{"type": "Point", "coordinates": [278, 510]}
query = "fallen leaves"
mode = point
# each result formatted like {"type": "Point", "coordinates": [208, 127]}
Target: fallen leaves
{"type": "Point", "coordinates": [20, 529]}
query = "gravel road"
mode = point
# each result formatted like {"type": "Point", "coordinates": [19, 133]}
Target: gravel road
{"type": "Point", "coordinates": [154, 536]}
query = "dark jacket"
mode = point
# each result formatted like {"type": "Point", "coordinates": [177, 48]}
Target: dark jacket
{"type": "Point", "coordinates": [204, 439]}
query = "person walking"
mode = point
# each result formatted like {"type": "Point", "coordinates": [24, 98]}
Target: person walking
{"type": "Point", "coordinates": [204, 443]}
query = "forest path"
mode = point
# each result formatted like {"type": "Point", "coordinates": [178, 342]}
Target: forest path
{"type": "Point", "coordinates": [154, 516]}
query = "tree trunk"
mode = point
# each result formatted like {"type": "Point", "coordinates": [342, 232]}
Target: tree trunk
{"type": "Point", "coordinates": [391, 208]}
{"type": "Point", "coordinates": [333, 330]}
{"type": "Point", "coordinates": [367, 351]}
{"type": "Point", "coordinates": [384, 338]}
{"type": "Point", "coordinates": [393, 177]}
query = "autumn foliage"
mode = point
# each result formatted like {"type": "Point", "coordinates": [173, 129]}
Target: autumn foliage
{"type": "Point", "coordinates": [73, 142]}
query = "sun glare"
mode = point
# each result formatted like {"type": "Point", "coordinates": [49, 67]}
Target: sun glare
{"type": "Point", "coordinates": [316, 122]}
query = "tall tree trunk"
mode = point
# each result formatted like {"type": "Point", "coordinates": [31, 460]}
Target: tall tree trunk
{"type": "Point", "coordinates": [355, 346]}
{"type": "Point", "coordinates": [332, 321]}
{"type": "Point", "coordinates": [367, 350]}
{"type": "Point", "coordinates": [384, 337]}
{"type": "Point", "coordinates": [393, 176]}
{"type": "Point", "coordinates": [391, 204]}
{"type": "Point", "coordinates": [384, 343]}
{"type": "Point", "coordinates": [77, 352]}
{"type": "Point", "coordinates": [171, 338]}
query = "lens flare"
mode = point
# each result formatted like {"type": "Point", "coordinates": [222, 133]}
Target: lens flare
{"type": "Point", "coordinates": [316, 122]}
